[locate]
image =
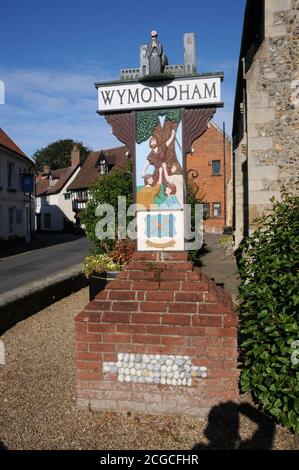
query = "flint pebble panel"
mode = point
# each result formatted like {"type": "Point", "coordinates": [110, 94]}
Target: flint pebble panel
{"type": "Point", "coordinates": [155, 369]}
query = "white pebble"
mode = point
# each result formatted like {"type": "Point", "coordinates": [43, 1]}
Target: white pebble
{"type": "Point", "coordinates": [138, 373]}
{"type": "Point", "coordinates": [173, 382]}
{"type": "Point", "coordinates": [176, 375]}
{"type": "Point", "coordinates": [163, 381]}
{"type": "Point", "coordinates": [168, 381]}
{"type": "Point", "coordinates": [121, 378]}
{"type": "Point", "coordinates": [204, 375]}
{"type": "Point", "coordinates": [169, 362]}
{"type": "Point", "coordinates": [146, 359]}
{"type": "Point", "coordinates": [119, 364]}
{"type": "Point", "coordinates": [189, 383]}
{"type": "Point", "coordinates": [133, 371]}
{"type": "Point", "coordinates": [120, 356]}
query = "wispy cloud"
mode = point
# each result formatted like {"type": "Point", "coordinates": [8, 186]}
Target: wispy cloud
{"type": "Point", "coordinates": [42, 106]}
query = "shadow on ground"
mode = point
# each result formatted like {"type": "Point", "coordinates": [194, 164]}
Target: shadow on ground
{"type": "Point", "coordinates": [2, 446]}
{"type": "Point", "coordinates": [223, 429]}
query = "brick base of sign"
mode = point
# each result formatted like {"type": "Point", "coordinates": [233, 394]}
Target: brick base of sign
{"type": "Point", "coordinates": [160, 339]}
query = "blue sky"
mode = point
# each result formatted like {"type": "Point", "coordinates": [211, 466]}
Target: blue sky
{"type": "Point", "coordinates": [53, 51]}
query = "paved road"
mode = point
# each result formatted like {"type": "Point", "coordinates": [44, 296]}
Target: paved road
{"type": "Point", "coordinates": [35, 265]}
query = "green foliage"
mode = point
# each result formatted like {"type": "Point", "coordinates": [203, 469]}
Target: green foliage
{"type": "Point", "coordinates": [58, 154]}
{"type": "Point", "coordinates": [194, 196]}
{"type": "Point", "coordinates": [146, 121]}
{"type": "Point", "coordinates": [268, 293]}
{"type": "Point", "coordinates": [106, 190]}
{"type": "Point", "coordinates": [99, 263]}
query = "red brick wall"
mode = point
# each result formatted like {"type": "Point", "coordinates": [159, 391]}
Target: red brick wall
{"type": "Point", "coordinates": [209, 147]}
{"type": "Point", "coordinates": [159, 305]}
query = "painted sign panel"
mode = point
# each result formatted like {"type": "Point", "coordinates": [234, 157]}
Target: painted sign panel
{"type": "Point", "coordinates": [159, 180]}
{"type": "Point", "coordinates": [195, 91]}
{"type": "Point", "coordinates": [159, 160]}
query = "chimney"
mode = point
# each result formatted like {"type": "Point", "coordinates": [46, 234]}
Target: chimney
{"type": "Point", "coordinates": [46, 170]}
{"type": "Point", "coordinates": [75, 156]}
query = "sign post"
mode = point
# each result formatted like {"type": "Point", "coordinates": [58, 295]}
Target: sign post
{"type": "Point", "coordinates": [161, 337]}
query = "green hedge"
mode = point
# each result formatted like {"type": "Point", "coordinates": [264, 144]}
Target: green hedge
{"type": "Point", "coordinates": [269, 299]}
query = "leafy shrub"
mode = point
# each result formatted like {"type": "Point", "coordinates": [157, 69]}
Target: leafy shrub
{"type": "Point", "coordinates": [106, 189]}
{"type": "Point", "coordinates": [195, 196]}
{"type": "Point", "coordinates": [269, 299]}
{"type": "Point", "coordinates": [123, 252]}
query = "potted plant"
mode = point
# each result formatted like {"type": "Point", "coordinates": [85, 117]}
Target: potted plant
{"type": "Point", "coordinates": [99, 269]}
{"type": "Point", "coordinates": [102, 268]}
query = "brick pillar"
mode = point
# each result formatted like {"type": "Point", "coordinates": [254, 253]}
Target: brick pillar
{"type": "Point", "coordinates": [161, 338]}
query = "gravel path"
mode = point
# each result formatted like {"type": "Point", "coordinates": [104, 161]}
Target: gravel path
{"type": "Point", "coordinates": [38, 407]}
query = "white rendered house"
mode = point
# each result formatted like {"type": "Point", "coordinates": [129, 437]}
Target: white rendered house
{"type": "Point", "coordinates": [54, 211]}
{"type": "Point", "coordinates": [16, 204]}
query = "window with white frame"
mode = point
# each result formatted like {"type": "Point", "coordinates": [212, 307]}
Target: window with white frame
{"type": "Point", "coordinates": [10, 175]}
{"type": "Point", "coordinates": [217, 209]}
{"type": "Point", "coordinates": [103, 167]}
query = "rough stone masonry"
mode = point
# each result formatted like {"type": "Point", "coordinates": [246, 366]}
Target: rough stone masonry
{"type": "Point", "coordinates": [161, 338]}
{"type": "Point", "coordinates": [270, 147]}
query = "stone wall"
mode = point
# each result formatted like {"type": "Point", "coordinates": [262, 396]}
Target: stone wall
{"type": "Point", "coordinates": [161, 338]}
{"type": "Point", "coordinates": [272, 141]}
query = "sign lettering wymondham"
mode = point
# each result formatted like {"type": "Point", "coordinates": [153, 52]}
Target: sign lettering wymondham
{"type": "Point", "coordinates": [195, 91]}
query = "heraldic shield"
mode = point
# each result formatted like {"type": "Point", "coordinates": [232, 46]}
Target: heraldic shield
{"type": "Point", "coordinates": [160, 231]}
